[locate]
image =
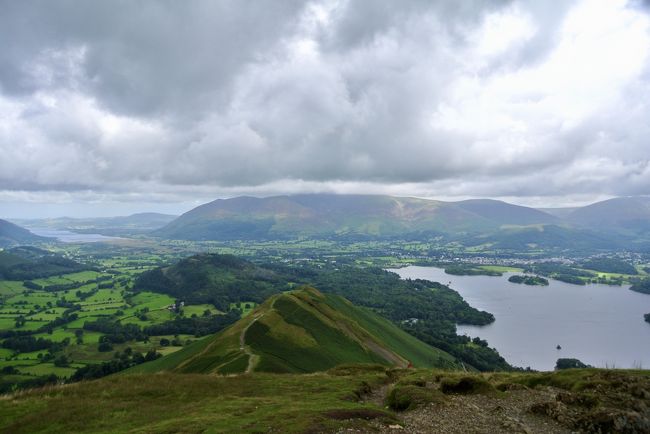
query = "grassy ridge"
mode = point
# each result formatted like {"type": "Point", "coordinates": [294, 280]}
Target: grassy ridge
{"type": "Point", "coordinates": [287, 354]}
{"type": "Point", "coordinates": [302, 331]}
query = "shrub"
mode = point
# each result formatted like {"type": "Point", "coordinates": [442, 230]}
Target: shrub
{"type": "Point", "coordinates": [409, 396]}
{"type": "Point", "coordinates": [465, 385]}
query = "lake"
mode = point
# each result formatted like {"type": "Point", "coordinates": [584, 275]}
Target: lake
{"type": "Point", "coordinates": [601, 325]}
{"type": "Point", "coordinates": [71, 237]}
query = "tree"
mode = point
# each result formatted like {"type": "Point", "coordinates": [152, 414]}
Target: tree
{"type": "Point", "coordinates": [104, 347]}
{"type": "Point", "coordinates": [61, 361]}
{"type": "Point", "coordinates": [569, 364]}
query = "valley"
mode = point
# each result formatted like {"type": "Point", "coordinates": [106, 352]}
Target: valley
{"type": "Point", "coordinates": [131, 303]}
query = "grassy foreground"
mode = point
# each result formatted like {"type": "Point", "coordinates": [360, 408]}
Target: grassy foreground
{"type": "Point", "coordinates": [368, 398]}
{"type": "Point", "coordinates": [184, 403]}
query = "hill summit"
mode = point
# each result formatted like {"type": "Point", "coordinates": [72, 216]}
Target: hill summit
{"type": "Point", "coordinates": [303, 331]}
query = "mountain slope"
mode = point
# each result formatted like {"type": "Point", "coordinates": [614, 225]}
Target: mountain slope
{"type": "Point", "coordinates": [329, 215]}
{"type": "Point", "coordinates": [11, 235]}
{"type": "Point", "coordinates": [506, 213]}
{"type": "Point", "coordinates": [626, 214]}
{"type": "Point", "coordinates": [302, 331]}
{"type": "Point", "coordinates": [134, 224]}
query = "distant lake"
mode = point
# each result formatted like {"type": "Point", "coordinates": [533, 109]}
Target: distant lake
{"type": "Point", "coordinates": [71, 237]}
{"type": "Point", "coordinates": [601, 325]}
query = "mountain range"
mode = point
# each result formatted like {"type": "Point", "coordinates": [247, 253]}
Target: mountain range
{"type": "Point", "coordinates": [607, 224]}
{"type": "Point", "coordinates": [135, 224]}
{"type": "Point", "coordinates": [611, 224]}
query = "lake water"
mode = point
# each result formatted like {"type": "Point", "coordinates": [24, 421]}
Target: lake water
{"type": "Point", "coordinates": [71, 237]}
{"type": "Point", "coordinates": [601, 325]}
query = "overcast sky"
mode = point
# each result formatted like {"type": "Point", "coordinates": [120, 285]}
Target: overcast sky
{"type": "Point", "coordinates": [113, 107]}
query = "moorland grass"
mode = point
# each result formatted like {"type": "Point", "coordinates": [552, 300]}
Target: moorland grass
{"type": "Point", "coordinates": [192, 403]}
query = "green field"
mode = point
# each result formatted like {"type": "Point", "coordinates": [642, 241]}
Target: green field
{"type": "Point", "coordinates": [40, 308]}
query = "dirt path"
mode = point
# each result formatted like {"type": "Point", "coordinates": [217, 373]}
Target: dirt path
{"type": "Point", "coordinates": [252, 357]}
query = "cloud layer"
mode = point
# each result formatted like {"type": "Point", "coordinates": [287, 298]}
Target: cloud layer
{"type": "Point", "coordinates": [175, 100]}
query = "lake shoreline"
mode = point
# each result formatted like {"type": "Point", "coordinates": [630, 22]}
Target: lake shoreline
{"type": "Point", "coordinates": [602, 325]}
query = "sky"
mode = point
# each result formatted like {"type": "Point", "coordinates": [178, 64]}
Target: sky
{"type": "Point", "coordinates": [115, 107]}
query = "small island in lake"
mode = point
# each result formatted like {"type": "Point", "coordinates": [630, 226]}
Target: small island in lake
{"type": "Point", "coordinates": [642, 286]}
{"type": "Point", "coordinates": [528, 280]}
{"type": "Point", "coordinates": [469, 270]}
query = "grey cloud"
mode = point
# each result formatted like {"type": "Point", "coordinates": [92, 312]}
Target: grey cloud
{"type": "Point", "coordinates": [170, 97]}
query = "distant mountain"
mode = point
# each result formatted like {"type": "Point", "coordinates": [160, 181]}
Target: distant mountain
{"type": "Point", "coordinates": [135, 224]}
{"type": "Point", "coordinates": [25, 263]}
{"type": "Point", "coordinates": [12, 235]}
{"type": "Point", "coordinates": [344, 216]}
{"type": "Point", "coordinates": [546, 237]}
{"type": "Point", "coordinates": [623, 214]}
{"type": "Point", "coordinates": [303, 331]}
{"type": "Point", "coordinates": [505, 213]}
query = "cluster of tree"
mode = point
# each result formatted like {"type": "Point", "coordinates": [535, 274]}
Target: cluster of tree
{"type": "Point", "coordinates": [567, 278]}
{"type": "Point", "coordinates": [569, 364]}
{"type": "Point", "coordinates": [561, 272]}
{"type": "Point", "coordinates": [646, 317]}
{"type": "Point", "coordinates": [114, 332]}
{"type": "Point", "coordinates": [469, 270]}
{"type": "Point", "coordinates": [120, 362]}
{"type": "Point", "coordinates": [528, 280]}
{"type": "Point", "coordinates": [27, 344]}
{"type": "Point", "coordinates": [194, 325]}
{"type": "Point", "coordinates": [609, 265]}
{"type": "Point", "coordinates": [84, 295]}
{"type": "Point", "coordinates": [68, 315]}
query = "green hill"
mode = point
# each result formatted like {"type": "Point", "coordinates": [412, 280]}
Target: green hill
{"type": "Point", "coordinates": [212, 278]}
{"type": "Point", "coordinates": [25, 263]}
{"type": "Point", "coordinates": [303, 331]}
{"type": "Point", "coordinates": [12, 235]}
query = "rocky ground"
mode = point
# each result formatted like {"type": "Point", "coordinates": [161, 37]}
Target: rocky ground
{"type": "Point", "coordinates": [572, 402]}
